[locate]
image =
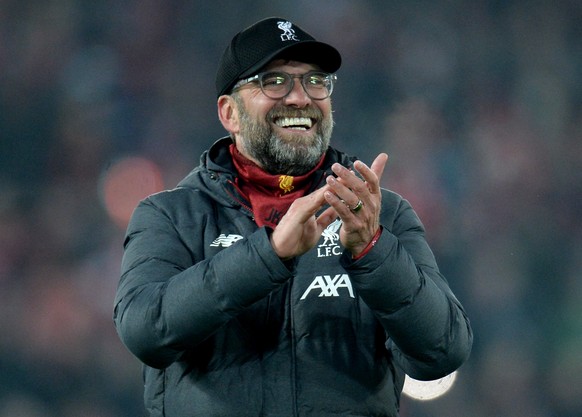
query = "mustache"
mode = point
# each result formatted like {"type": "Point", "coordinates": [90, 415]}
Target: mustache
{"type": "Point", "coordinates": [284, 111]}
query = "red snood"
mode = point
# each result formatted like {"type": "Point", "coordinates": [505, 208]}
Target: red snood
{"type": "Point", "coordinates": [269, 195]}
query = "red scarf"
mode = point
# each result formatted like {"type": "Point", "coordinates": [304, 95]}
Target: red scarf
{"type": "Point", "coordinates": [269, 195]}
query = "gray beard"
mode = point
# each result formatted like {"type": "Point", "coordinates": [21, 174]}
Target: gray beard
{"type": "Point", "coordinates": [293, 155]}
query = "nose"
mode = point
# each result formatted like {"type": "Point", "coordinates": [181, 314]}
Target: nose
{"type": "Point", "coordinates": [297, 97]}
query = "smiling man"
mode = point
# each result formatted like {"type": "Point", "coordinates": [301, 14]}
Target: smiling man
{"type": "Point", "coordinates": [286, 126]}
{"type": "Point", "coordinates": [278, 278]}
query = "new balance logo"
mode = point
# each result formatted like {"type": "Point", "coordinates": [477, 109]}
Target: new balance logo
{"type": "Point", "coordinates": [329, 286]}
{"type": "Point", "coordinates": [225, 241]}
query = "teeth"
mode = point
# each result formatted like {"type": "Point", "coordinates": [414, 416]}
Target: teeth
{"type": "Point", "coordinates": [295, 122]}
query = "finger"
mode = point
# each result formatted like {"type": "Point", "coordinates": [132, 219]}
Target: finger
{"type": "Point", "coordinates": [377, 169]}
{"type": "Point", "coordinates": [339, 205]}
{"type": "Point", "coordinates": [379, 164]}
{"type": "Point", "coordinates": [305, 207]}
{"type": "Point", "coordinates": [372, 175]}
{"type": "Point", "coordinates": [327, 217]}
{"type": "Point", "coordinates": [345, 194]}
{"type": "Point", "coordinates": [350, 181]}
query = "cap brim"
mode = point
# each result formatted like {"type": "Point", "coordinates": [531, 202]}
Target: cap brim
{"type": "Point", "coordinates": [321, 54]}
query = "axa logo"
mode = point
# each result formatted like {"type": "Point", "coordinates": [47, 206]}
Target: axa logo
{"type": "Point", "coordinates": [225, 240]}
{"type": "Point", "coordinates": [330, 246]}
{"type": "Point", "coordinates": [329, 286]}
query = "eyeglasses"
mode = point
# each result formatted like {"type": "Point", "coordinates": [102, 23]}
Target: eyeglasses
{"type": "Point", "coordinates": [278, 84]}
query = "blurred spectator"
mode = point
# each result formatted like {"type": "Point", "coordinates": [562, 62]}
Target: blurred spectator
{"type": "Point", "coordinates": [478, 104]}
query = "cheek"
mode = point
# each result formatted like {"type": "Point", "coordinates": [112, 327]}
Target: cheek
{"type": "Point", "coordinates": [325, 107]}
{"type": "Point", "coordinates": [258, 106]}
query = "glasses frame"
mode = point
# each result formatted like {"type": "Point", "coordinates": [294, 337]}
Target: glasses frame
{"type": "Point", "coordinates": [258, 78]}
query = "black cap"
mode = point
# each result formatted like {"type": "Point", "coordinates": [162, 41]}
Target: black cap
{"type": "Point", "coordinates": [259, 44]}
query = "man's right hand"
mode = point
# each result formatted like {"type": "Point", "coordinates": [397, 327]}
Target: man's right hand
{"type": "Point", "coordinates": [299, 229]}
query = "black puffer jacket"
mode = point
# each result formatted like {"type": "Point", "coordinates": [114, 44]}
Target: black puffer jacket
{"type": "Point", "coordinates": [225, 328]}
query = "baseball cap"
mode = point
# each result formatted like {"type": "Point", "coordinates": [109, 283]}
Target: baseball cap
{"type": "Point", "coordinates": [271, 38]}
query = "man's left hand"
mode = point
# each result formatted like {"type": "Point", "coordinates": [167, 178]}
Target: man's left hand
{"type": "Point", "coordinates": [357, 202]}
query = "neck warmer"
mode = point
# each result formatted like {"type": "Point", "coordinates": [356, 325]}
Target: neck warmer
{"type": "Point", "coordinates": [269, 195]}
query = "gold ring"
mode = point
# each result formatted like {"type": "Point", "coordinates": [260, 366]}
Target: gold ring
{"type": "Point", "coordinates": [357, 207]}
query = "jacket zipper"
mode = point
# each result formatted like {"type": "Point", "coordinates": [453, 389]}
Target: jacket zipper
{"type": "Point", "coordinates": [240, 201]}
{"type": "Point", "coordinates": [293, 375]}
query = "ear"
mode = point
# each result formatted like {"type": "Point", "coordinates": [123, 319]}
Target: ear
{"type": "Point", "coordinates": [228, 114]}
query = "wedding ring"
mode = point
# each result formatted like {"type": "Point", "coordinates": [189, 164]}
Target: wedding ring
{"type": "Point", "coordinates": [357, 207]}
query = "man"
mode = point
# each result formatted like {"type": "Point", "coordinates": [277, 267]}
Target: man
{"type": "Point", "coordinates": [278, 278]}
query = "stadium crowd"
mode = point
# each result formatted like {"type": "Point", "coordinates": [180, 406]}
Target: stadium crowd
{"type": "Point", "coordinates": [478, 104]}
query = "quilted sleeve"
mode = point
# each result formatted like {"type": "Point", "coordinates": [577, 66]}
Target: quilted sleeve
{"type": "Point", "coordinates": [428, 331]}
{"type": "Point", "coordinates": [166, 304]}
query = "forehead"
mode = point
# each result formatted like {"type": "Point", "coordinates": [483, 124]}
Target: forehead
{"type": "Point", "coordinates": [290, 66]}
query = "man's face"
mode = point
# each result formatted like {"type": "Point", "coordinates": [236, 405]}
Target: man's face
{"type": "Point", "coordinates": [283, 136]}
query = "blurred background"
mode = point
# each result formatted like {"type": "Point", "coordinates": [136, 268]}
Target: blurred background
{"type": "Point", "coordinates": [478, 103]}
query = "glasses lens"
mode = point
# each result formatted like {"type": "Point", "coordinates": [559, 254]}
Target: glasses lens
{"type": "Point", "coordinates": [318, 85]}
{"type": "Point", "coordinates": [276, 85]}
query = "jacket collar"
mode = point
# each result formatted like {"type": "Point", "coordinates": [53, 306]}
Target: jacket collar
{"type": "Point", "coordinates": [216, 169]}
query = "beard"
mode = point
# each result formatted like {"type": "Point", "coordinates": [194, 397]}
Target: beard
{"type": "Point", "coordinates": [294, 154]}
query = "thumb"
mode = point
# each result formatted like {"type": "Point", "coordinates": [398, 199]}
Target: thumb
{"type": "Point", "coordinates": [379, 164]}
{"type": "Point", "coordinates": [305, 207]}
{"type": "Point", "coordinates": [326, 218]}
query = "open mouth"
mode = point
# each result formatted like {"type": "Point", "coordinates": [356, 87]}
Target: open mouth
{"type": "Point", "coordinates": [297, 123]}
